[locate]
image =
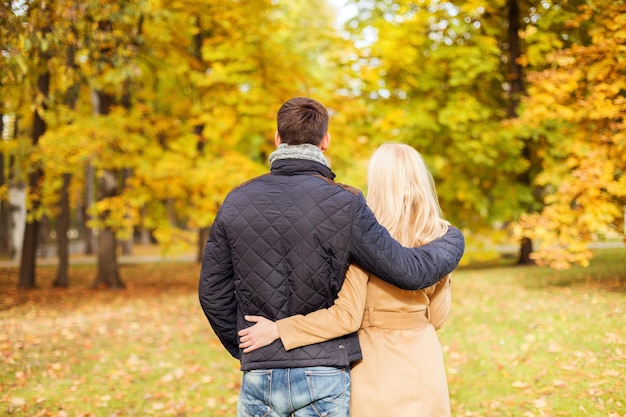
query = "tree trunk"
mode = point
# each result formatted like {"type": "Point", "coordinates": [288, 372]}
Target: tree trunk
{"type": "Point", "coordinates": [516, 75]}
{"type": "Point", "coordinates": [127, 244]}
{"type": "Point", "coordinates": [108, 269]}
{"type": "Point", "coordinates": [517, 89]}
{"type": "Point", "coordinates": [63, 220]}
{"type": "Point", "coordinates": [198, 40]}
{"type": "Point", "coordinates": [90, 239]}
{"type": "Point", "coordinates": [144, 237]}
{"type": "Point", "coordinates": [203, 234]}
{"type": "Point", "coordinates": [63, 225]}
{"type": "Point", "coordinates": [29, 258]}
{"type": "Point", "coordinates": [31, 231]}
{"type": "Point", "coordinates": [526, 248]}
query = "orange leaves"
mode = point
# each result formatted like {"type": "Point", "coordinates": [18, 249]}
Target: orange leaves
{"type": "Point", "coordinates": [578, 100]}
{"type": "Point", "coordinates": [146, 352]}
{"type": "Point", "coordinates": [582, 209]}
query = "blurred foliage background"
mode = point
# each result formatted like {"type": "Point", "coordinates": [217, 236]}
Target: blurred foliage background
{"type": "Point", "coordinates": [128, 121]}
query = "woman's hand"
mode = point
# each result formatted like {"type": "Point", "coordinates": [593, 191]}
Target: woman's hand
{"type": "Point", "coordinates": [263, 333]}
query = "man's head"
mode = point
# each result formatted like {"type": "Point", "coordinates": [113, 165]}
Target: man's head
{"type": "Point", "coordinates": [303, 120]}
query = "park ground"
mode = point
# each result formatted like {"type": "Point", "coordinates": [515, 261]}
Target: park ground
{"type": "Point", "coordinates": [520, 341]}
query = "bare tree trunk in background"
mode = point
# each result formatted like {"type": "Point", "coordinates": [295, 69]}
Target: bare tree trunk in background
{"type": "Point", "coordinates": [63, 220]}
{"type": "Point", "coordinates": [63, 225]}
{"type": "Point", "coordinates": [516, 77]}
{"type": "Point", "coordinates": [198, 38]}
{"type": "Point", "coordinates": [526, 248]}
{"type": "Point", "coordinates": [143, 234]}
{"type": "Point", "coordinates": [31, 231]}
{"type": "Point", "coordinates": [203, 232]}
{"type": "Point", "coordinates": [127, 244]}
{"type": "Point", "coordinates": [90, 193]}
{"type": "Point", "coordinates": [108, 268]}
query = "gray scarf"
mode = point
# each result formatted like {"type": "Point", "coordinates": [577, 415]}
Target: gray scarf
{"type": "Point", "coordinates": [306, 151]}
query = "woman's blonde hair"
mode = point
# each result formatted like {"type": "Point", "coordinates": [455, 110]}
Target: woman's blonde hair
{"type": "Point", "coordinates": [402, 195]}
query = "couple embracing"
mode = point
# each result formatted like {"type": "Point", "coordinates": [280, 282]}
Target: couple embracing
{"type": "Point", "coordinates": [330, 302]}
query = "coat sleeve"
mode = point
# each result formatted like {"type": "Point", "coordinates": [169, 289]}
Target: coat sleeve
{"type": "Point", "coordinates": [440, 302]}
{"type": "Point", "coordinates": [408, 268]}
{"type": "Point", "coordinates": [216, 289]}
{"type": "Point", "coordinates": [342, 318]}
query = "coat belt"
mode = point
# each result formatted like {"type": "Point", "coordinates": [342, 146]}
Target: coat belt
{"type": "Point", "coordinates": [395, 320]}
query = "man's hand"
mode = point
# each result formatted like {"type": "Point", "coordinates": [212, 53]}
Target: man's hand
{"type": "Point", "coordinates": [263, 333]}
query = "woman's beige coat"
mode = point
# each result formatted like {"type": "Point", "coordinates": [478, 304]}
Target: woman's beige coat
{"type": "Point", "coordinates": [402, 372]}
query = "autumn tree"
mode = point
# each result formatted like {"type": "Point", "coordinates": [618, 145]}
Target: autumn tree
{"type": "Point", "coordinates": [70, 85]}
{"type": "Point", "coordinates": [185, 91]}
{"type": "Point", "coordinates": [36, 37]}
{"type": "Point", "coordinates": [575, 113]}
{"type": "Point", "coordinates": [94, 44]}
{"type": "Point", "coordinates": [435, 76]}
{"type": "Point", "coordinates": [448, 78]}
{"type": "Point", "coordinates": [236, 84]}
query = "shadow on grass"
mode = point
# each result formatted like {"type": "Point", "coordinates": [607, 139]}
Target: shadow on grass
{"type": "Point", "coordinates": [607, 271]}
{"type": "Point", "coordinates": [148, 280]}
{"type": "Point", "coordinates": [504, 261]}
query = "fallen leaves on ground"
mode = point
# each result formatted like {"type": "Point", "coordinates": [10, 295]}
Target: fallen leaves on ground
{"type": "Point", "coordinates": [146, 350]}
{"type": "Point", "coordinates": [514, 346]}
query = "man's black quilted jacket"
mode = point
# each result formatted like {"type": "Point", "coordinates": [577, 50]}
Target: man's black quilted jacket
{"type": "Point", "coordinates": [280, 245]}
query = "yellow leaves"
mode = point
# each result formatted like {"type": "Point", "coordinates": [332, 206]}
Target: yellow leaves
{"type": "Point", "coordinates": [581, 84]}
{"type": "Point", "coordinates": [116, 214]}
{"type": "Point", "coordinates": [528, 32]}
{"type": "Point", "coordinates": [563, 233]}
{"type": "Point", "coordinates": [582, 171]}
{"type": "Point", "coordinates": [173, 240]}
{"type": "Point", "coordinates": [564, 60]}
{"type": "Point", "coordinates": [165, 174]}
{"type": "Point", "coordinates": [545, 101]}
{"type": "Point", "coordinates": [600, 70]}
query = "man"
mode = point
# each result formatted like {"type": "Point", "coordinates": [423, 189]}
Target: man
{"type": "Point", "coordinates": [280, 245]}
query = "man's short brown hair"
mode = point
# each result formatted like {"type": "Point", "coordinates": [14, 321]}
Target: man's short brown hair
{"type": "Point", "coordinates": [302, 120]}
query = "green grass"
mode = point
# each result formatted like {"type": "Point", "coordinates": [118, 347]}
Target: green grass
{"type": "Point", "coordinates": [521, 342]}
{"type": "Point", "coordinates": [147, 350]}
{"type": "Point", "coordinates": [527, 341]}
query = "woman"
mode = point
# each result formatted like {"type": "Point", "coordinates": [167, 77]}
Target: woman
{"type": "Point", "coordinates": [402, 372]}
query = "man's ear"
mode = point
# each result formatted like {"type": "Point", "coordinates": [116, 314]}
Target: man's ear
{"type": "Point", "coordinates": [325, 142]}
{"type": "Point", "coordinates": [277, 140]}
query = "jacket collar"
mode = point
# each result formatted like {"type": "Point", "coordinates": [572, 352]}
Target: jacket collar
{"type": "Point", "coordinates": [301, 167]}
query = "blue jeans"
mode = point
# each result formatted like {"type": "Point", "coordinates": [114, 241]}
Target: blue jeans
{"type": "Point", "coordinates": [298, 392]}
